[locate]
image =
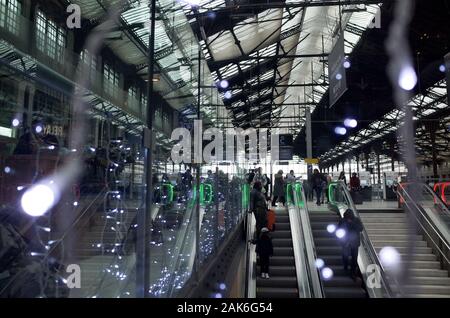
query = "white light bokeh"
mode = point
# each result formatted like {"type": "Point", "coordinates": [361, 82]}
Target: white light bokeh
{"type": "Point", "coordinates": [390, 257]}
{"type": "Point", "coordinates": [331, 228]}
{"type": "Point", "coordinates": [39, 129]}
{"type": "Point", "coordinates": [320, 263]}
{"type": "Point", "coordinates": [347, 64]}
{"type": "Point", "coordinates": [15, 122]}
{"type": "Point", "coordinates": [351, 123]}
{"type": "Point", "coordinates": [228, 95]}
{"type": "Point", "coordinates": [339, 76]}
{"type": "Point", "coordinates": [327, 273]}
{"type": "Point", "coordinates": [340, 233]}
{"type": "Point", "coordinates": [7, 169]}
{"type": "Point", "coordinates": [37, 200]}
{"type": "Point", "coordinates": [442, 68]}
{"type": "Point", "coordinates": [408, 78]}
{"type": "Point", "coordinates": [224, 84]}
{"type": "Point", "coordinates": [340, 131]}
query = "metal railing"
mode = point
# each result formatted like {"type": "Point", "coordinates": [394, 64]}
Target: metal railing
{"type": "Point", "coordinates": [430, 222]}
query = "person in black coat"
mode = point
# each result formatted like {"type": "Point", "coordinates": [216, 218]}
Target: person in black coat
{"type": "Point", "coordinates": [351, 241]}
{"type": "Point", "coordinates": [258, 206]}
{"type": "Point", "coordinates": [264, 248]}
{"type": "Point", "coordinates": [318, 180]}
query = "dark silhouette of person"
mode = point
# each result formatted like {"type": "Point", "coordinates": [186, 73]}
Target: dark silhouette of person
{"type": "Point", "coordinates": [351, 241]}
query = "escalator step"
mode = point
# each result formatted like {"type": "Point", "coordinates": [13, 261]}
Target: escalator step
{"type": "Point", "coordinates": [323, 234]}
{"type": "Point", "coordinates": [283, 251]}
{"type": "Point", "coordinates": [282, 226]}
{"type": "Point", "coordinates": [321, 242]}
{"type": "Point", "coordinates": [282, 242]}
{"type": "Point", "coordinates": [320, 225]}
{"type": "Point", "coordinates": [281, 234]}
{"type": "Point", "coordinates": [332, 259]}
{"type": "Point", "coordinates": [329, 250]}
{"type": "Point", "coordinates": [342, 281]}
{"type": "Point", "coordinates": [345, 292]}
{"type": "Point", "coordinates": [282, 219]}
{"type": "Point", "coordinates": [268, 292]}
{"type": "Point", "coordinates": [277, 282]}
{"type": "Point", "coordinates": [282, 261]}
{"type": "Point", "coordinates": [284, 271]}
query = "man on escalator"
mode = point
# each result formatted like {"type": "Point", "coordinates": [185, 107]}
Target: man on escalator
{"type": "Point", "coordinates": [350, 241]}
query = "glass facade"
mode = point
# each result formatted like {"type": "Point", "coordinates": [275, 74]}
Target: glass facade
{"type": "Point", "coordinates": [72, 137]}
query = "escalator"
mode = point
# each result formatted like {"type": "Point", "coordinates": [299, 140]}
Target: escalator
{"type": "Point", "coordinates": [283, 279]}
{"type": "Point", "coordinates": [292, 270]}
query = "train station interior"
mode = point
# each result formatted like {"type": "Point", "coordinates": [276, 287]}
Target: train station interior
{"type": "Point", "coordinates": [239, 149]}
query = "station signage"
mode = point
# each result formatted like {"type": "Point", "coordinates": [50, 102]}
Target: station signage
{"type": "Point", "coordinates": [337, 72]}
{"type": "Point", "coordinates": [286, 147]}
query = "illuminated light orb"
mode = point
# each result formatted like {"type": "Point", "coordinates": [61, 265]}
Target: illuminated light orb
{"type": "Point", "coordinates": [75, 203]}
{"type": "Point", "coordinates": [38, 200]}
{"type": "Point", "coordinates": [15, 122]}
{"type": "Point", "coordinates": [351, 123]}
{"type": "Point", "coordinates": [347, 64]}
{"type": "Point", "coordinates": [218, 295]}
{"type": "Point", "coordinates": [327, 273]}
{"type": "Point", "coordinates": [222, 286]}
{"type": "Point", "coordinates": [7, 169]}
{"type": "Point", "coordinates": [389, 256]}
{"type": "Point", "coordinates": [39, 129]}
{"type": "Point", "coordinates": [320, 263]}
{"type": "Point", "coordinates": [340, 131]}
{"type": "Point", "coordinates": [339, 76]}
{"type": "Point", "coordinates": [408, 78]}
{"type": "Point", "coordinates": [224, 84]}
{"type": "Point", "coordinates": [331, 228]}
{"type": "Point", "coordinates": [340, 233]}
{"type": "Point", "coordinates": [228, 95]}
{"type": "Point", "coordinates": [442, 68]}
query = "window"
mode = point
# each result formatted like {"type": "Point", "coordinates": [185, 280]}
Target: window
{"type": "Point", "coordinates": [110, 80]}
{"type": "Point", "coordinates": [10, 11]}
{"type": "Point", "coordinates": [144, 104]}
{"type": "Point", "coordinates": [133, 98]}
{"type": "Point", "coordinates": [91, 61]}
{"type": "Point", "coordinates": [50, 38]}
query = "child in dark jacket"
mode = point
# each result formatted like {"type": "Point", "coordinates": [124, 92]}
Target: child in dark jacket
{"type": "Point", "coordinates": [264, 248]}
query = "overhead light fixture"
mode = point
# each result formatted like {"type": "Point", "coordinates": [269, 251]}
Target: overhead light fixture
{"type": "Point", "coordinates": [156, 78]}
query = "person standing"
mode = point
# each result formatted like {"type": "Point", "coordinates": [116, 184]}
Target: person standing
{"type": "Point", "coordinates": [351, 241]}
{"type": "Point", "coordinates": [317, 181]}
{"type": "Point", "coordinates": [264, 248]}
{"type": "Point", "coordinates": [355, 183]}
{"type": "Point", "coordinates": [278, 190]}
{"type": "Point", "coordinates": [291, 177]}
{"type": "Point", "coordinates": [266, 182]}
{"type": "Point", "coordinates": [342, 177]}
{"type": "Point", "coordinates": [258, 206]}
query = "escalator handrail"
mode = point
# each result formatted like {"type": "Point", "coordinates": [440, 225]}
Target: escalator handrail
{"type": "Point", "coordinates": [250, 260]}
{"type": "Point", "coordinates": [315, 283]}
{"type": "Point", "coordinates": [368, 246]}
{"type": "Point", "coordinates": [191, 216]}
{"type": "Point", "coordinates": [402, 193]}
